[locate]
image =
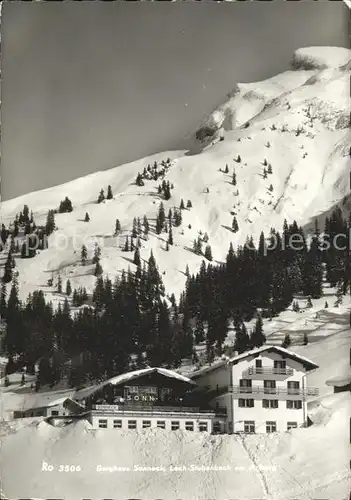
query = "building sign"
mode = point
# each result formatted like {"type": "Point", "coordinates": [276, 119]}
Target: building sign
{"type": "Point", "coordinates": [106, 407]}
{"type": "Point", "coordinates": [149, 398]}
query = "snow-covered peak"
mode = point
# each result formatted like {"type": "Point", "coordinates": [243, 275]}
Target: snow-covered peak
{"type": "Point", "coordinates": [310, 65]}
{"type": "Point", "coordinates": [321, 57]}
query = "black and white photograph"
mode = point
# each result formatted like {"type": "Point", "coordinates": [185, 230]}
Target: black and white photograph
{"type": "Point", "coordinates": [175, 250]}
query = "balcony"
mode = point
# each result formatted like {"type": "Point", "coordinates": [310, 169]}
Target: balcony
{"type": "Point", "coordinates": [268, 373]}
{"type": "Point", "coordinates": [284, 392]}
{"type": "Point", "coordinates": [149, 410]}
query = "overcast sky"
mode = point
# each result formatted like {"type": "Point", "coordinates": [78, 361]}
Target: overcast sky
{"type": "Point", "coordinates": [90, 85]}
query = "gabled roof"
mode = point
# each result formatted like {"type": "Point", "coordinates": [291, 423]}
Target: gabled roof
{"type": "Point", "coordinates": [309, 365]}
{"type": "Point", "coordinates": [126, 377]}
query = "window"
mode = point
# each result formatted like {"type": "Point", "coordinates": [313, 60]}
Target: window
{"type": "Point", "coordinates": [146, 424]}
{"type": "Point", "coordinates": [133, 389]}
{"type": "Point", "coordinates": [269, 403]}
{"type": "Point", "coordinates": [174, 425]}
{"type": "Point", "coordinates": [258, 363]}
{"type": "Point", "coordinates": [202, 426]}
{"type": "Point", "coordinates": [161, 424]}
{"type": "Point", "coordinates": [246, 403]}
{"type": "Point", "coordinates": [280, 363]}
{"type": "Point", "coordinates": [132, 424]}
{"type": "Point", "coordinates": [269, 387]}
{"type": "Point", "coordinates": [294, 405]}
{"type": "Point", "coordinates": [54, 413]}
{"type": "Point", "coordinates": [189, 426]}
{"type": "Point", "coordinates": [103, 423]}
{"type": "Point", "coordinates": [291, 425]}
{"type": "Point", "coordinates": [294, 387]}
{"type": "Point", "coordinates": [245, 385]}
{"type": "Point", "coordinates": [117, 424]}
{"type": "Point", "coordinates": [249, 426]}
{"type": "Point", "coordinates": [271, 427]}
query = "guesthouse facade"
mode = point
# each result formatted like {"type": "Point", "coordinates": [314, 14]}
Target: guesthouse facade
{"type": "Point", "coordinates": [262, 391]}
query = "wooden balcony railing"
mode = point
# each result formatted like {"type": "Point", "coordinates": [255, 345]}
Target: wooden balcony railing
{"type": "Point", "coordinates": [309, 391]}
{"type": "Point", "coordinates": [150, 409]}
{"type": "Point", "coordinates": [262, 370]}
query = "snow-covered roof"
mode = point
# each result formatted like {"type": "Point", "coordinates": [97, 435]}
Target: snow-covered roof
{"type": "Point", "coordinates": [126, 377]}
{"type": "Point", "coordinates": [44, 399]}
{"type": "Point", "coordinates": [310, 365]}
{"type": "Point", "coordinates": [339, 381]}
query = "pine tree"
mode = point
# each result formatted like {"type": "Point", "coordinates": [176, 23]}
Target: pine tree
{"type": "Point", "coordinates": [117, 226]}
{"type": "Point", "coordinates": [170, 237]}
{"type": "Point", "coordinates": [97, 254]}
{"type": "Point", "coordinates": [264, 173]}
{"type": "Point", "coordinates": [86, 218]}
{"type": "Point", "coordinates": [136, 258]}
{"type": "Point", "coordinates": [199, 330]}
{"type": "Point", "coordinates": [234, 178]}
{"type": "Point", "coordinates": [238, 160]}
{"type": "Point", "coordinates": [265, 163]}
{"type": "Point", "coordinates": [126, 245]}
{"type": "Point", "coordinates": [242, 340]}
{"type": "Point", "coordinates": [339, 295]}
{"type": "Point", "coordinates": [187, 272]}
{"type": "Point", "coordinates": [305, 338]}
{"type": "Point", "coordinates": [269, 169]}
{"type": "Point", "coordinates": [25, 213]}
{"type": "Point", "coordinates": [177, 217]}
{"type": "Point", "coordinates": [235, 226]}
{"type": "Point", "coordinates": [101, 196]}
{"type": "Point", "coordinates": [226, 170]}
{"type": "Point", "coordinates": [160, 219]}
{"type": "Point", "coordinates": [208, 252]}
{"type": "Point", "coordinates": [210, 354]}
{"type": "Point", "coordinates": [270, 189]}
{"type": "Point", "coordinates": [3, 295]}
{"type": "Point", "coordinates": [68, 288]}
{"type": "Point", "coordinates": [181, 206]}
{"type": "Point", "coordinates": [287, 341]}
{"type": "Point", "coordinates": [98, 269]}
{"type": "Point", "coordinates": [197, 246]}
{"type": "Point", "coordinates": [83, 255]}
{"type": "Point", "coordinates": [65, 206]}
{"type": "Point", "coordinates": [139, 180]}
{"type": "Point", "coordinates": [59, 284]}
{"type": "Point", "coordinates": [167, 191]}
{"type": "Point", "coordinates": [109, 195]}
{"type": "Point", "coordinates": [189, 204]}
{"type": "Point", "coordinates": [258, 338]}
{"type": "Point", "coordinates": [50, 223]}
{"type": "Point", "coordinates": [326, 305]}
{"type": "Point", "coordinates": [7, 276]}
{"type": "Point", "coordinates": [134, 228]}
{"type": "Point", "coordinates": [146, 225]}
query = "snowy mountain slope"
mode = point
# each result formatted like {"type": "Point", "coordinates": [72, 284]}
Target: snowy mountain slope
{"type": "Point", "coordinates": [296, 121]}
